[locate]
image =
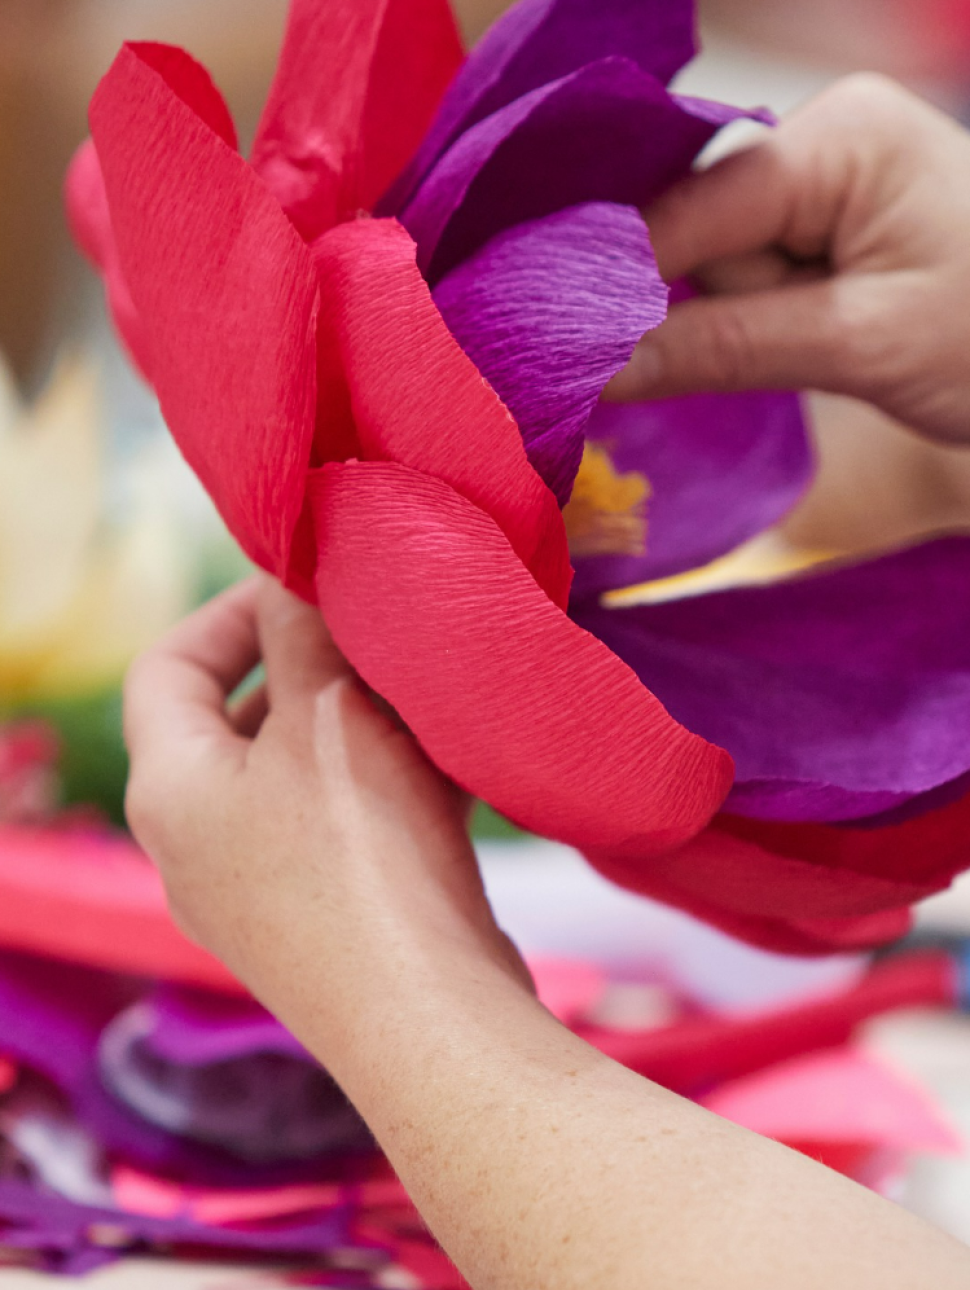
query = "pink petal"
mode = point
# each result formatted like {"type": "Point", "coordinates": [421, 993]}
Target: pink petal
{"type": "Point", "coordinates": [429, 602]}
{"type": "Point", "coordinates": [804, 888]}
{"type": "Point", "coordinates": [394, 376]}
{"type": "Point", "coordinates": [94, 898]}
{"type": "Point", "coordinates": [226, 294]}
{"type": "Point", "coordinates": [357, 85]}
{"type": "Point", "coordinates": [87, 201]}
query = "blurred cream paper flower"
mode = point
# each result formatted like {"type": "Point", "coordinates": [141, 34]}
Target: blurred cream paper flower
{"type": "Point", "coordinates": [80, 594]}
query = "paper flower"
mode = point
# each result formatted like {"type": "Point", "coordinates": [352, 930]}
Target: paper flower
{"type": "Point", "coordinates": [322, 371]}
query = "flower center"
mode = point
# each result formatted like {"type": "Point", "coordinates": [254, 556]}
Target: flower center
{"type": "Point", "coordinates": [607, 512]}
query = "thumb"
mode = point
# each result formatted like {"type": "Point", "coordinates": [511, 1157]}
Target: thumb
{"type": "Point", "coordinates": [794, 337]}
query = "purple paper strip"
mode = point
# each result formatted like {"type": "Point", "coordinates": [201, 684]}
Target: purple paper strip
{"type": "Point", "coordinates": [608, 132]}
{"type": "Point", "coordinates": [839, 695]}
{"type": "Point", "coordinates": [538, 41]}
{"type": "Point", "coordinates": [548, 312]}
{"type": "Point", "coordinates": [721, 469]}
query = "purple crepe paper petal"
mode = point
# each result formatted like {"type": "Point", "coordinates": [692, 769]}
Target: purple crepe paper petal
{"type": "Point", "coordinates": [538, 41]}
{"type": "Point", "coordinates": [608, 132]}
{"type": "Point", "coordinates": [67, 1233]}
{"type": "Point", "coordinates": [839, 695]}
{"type": "Point", "coordinates": [51, 1020]}
{"type": "Point", "coordinates": [230, 1077]}
{"type": "Point", "coordinates": [913, 807]}
{"type": "Point", "coordinates": [199, 1029]}
{"type": "Point", "coordinates": [548, 312]}
{"type": "Point", "coordinates": [721, 468]}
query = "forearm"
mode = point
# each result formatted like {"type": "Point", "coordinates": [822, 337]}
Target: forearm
{"type": "Point", "coordinates": [538, 1162]}
{"type": "Point", "coordinates": [327, 863]}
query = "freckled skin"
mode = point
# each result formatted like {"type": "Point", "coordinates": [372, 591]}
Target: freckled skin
{"type": "Point", "coordinates": [327, 863]}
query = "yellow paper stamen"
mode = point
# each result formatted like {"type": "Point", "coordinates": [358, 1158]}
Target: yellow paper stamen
{"type": "Point", "coordinates": [607, 512]}
{"type": "Point", "coordinates": [766, 558]}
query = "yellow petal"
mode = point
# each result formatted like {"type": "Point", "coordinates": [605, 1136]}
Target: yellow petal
{"type": "Point", "coordinates": [766, 558]}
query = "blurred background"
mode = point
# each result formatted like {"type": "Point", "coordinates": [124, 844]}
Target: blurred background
{"type": "Point", "coordinates": [106, 539]}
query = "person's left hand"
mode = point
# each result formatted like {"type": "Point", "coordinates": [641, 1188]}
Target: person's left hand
{"type": "Point", "coordinates": [302, 821]}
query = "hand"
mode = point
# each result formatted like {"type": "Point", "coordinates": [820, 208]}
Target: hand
{"type": "Point", "coordinates": [305, 798]}
{"type": "Point", "coordinates": [304, 838]}
{"type": "Point", "coordinates": [837, 253]}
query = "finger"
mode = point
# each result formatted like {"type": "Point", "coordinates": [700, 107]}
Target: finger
{"type": "Point", "coordinates": [789, 192]}
{"type": "Point", "coordinates": [298, 650]}
{"type": "Point", "coordinates": [797, 337]}
{"type": "Point", "coordinates": [741, 205]}
{"type": "Point", "coordinates": [176, 692]}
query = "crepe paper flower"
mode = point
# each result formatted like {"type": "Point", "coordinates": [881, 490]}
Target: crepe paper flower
{"type": "Point", "coordinates": [209, 1071]}
{"type": "Point", "coordinates": [74, 1239]}
{"type": "Point", "coordinates": [87, 895]}
{"type": "Point", "coordinates": [322, 372]}
{"type": "Point", "coordinates": [78, 597]}
{"type": "Point", "coordinates": [324, 380]}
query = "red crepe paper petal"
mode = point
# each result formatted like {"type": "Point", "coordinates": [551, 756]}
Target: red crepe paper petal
{"type": "Point", "coordinates": [745, 878]}
{"type": "Point", "coordinates": [357, 85]}
{"type": "Point", "coordinates": [94, 898]}
{"type": "Point", "coordinates": [227, 296]}
{"type": "Point", "coordinates": [818, 936]}
{"type": "Point", "coordinates": [429, 602]}
{"type": "Point", "coordinates": [851, 887]}
{"type": "Point", "coordinates": [417, 399]}
{"type": "Point", "coordinates": [781, 935]}
{"type": "Point", "coordinates": [8, 1075]}
{"type": "Point", "coordinates": [90, 220]}
{"type": "Point", "coordinates": [193, 85]}
{"type": "Point", "coordinates": [927, 851]}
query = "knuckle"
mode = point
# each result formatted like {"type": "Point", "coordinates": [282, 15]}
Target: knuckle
{"type": "Point", "coordinates": [868, 344]}
{"type": "Point", "coordinates": [870, 93]}
{"type": "Point", "coordinates": [731, 356]}
{"type": "Point", "coordinates": [141, 810]}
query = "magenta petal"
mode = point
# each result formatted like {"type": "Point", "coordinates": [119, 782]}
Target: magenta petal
{"type": "Point", "coordinates": [226, 296]}
{"type": "Point", "coordinates": [548, 312]}
{"type": "Point", "coordinates": [65, 1234]}
{"type": "Point", "coordinates": [538, 41]}
{"type": "Point", "coordinates": [839, 695]}
{"type": "Point", "coordinates": [721, 468]}
{"type": "Point", "coordinates": [609, 132]}
{"type": "Point", "coordinates": [225, 1074]}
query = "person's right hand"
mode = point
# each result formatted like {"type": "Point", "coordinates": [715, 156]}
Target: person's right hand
{"type": "Point", "coordinates": [837, 255]}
